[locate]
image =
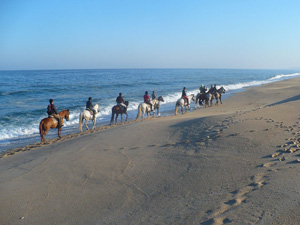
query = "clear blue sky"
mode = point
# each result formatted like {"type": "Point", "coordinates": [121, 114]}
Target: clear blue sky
{"type": "Point", "coordinates": [58, 34]}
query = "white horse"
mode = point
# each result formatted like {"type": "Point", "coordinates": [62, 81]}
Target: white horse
{"type": "Point", "coordinates": [181, 102]}
{"type": "Point", "coordinates": [87, 115]}
{"type": "Point", "coordinates": [144, 107]}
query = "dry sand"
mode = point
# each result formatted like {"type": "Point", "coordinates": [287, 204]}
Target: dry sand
{"type": "Point", "coordinates": [234, 163]}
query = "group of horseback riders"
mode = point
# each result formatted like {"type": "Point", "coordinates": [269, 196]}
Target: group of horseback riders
{"type": "Point", "coordinates": [203, 90]}
{"type": "Point", "coordinates": [51, 109]}
{"type": "Point", "coordinates": [213, 89]}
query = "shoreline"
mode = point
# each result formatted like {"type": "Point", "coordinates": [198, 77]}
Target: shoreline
{"type": "Point", "coordinates": [19, 134]}
{"type": "Point", "coordinates": [237, 162]}
{"type": "Point", "coordinates": [73, 132]}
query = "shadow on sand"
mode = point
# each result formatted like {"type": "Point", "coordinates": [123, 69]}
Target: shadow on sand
{"type": "Point", "coordinates": [295, 98]}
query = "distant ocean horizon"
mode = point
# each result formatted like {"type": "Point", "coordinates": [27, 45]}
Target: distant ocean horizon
{"type": "Point", "coordinates": [25, 94]}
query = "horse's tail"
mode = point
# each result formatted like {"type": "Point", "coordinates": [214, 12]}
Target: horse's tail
{"type": "Point", "coordinates": [176, 107]}
{"type": "Point", "coordinates": [42, 130]}
{"type": "Point", "coordinates": [139, 111]}
{"type": "Point", "coordinates": [112, 116]}
{"type": "Point", "coordinates": [80, 121]}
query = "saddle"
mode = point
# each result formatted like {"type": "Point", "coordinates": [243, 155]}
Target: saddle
{"type": "Point", "coordinates": [90, 111]}
{"type": "Point", "coordinates": [53, 118]}
{"type": "Point", "coordinates": [185, 100]}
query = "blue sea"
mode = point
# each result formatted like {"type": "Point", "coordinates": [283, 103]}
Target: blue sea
{"type": "Point", "coordinates": [24, 95]}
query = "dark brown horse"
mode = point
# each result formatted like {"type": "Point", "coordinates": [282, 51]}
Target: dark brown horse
{"type": "Point", "coordinates": [48, 123]}
{"type": "Point", "coordinates": [118, 110]}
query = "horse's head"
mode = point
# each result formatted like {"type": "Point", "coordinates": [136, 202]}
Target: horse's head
{"type": "Point", "coordinates": [222, 90]}
{"type": "Point", "coordinates": [67, 115]}
{"type": "Point", "coordinates": [160, 98]}
{"type": "Point", "coordinates": [97, 108]}
{"type": "Point", "coordinates": [193, 97]}
{"type": "Point", "coordinates": [126, 103]}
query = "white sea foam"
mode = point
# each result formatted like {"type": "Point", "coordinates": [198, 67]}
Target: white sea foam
{"type": "Point", "coordinates": [237, 86]}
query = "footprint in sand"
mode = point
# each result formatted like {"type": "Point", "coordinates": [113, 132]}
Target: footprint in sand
{"type": "Point", "coordinates": [167, 145]}
{"type": "Point", "coordinates": [151, 145]}
{"type": "Point", "coordinates": [238, 197]}
{"type": "Point", "coordinates": [134, 148]}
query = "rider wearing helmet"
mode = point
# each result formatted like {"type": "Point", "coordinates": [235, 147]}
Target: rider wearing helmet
{"type": "Point", "coordinates": [120, 101]}
{"type": "Point", "coordinates": [51, 110]}
{"type": "Point", "coordinates": [89, 106]}
{"type": "Point", "coordinates": [147, 100]}
{"type": "Point", "coordinates": [184, 96]}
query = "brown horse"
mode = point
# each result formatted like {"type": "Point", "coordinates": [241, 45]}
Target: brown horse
{"type": "Point", "coordinates": [118, 110]}
{"type": "Point", "coordinates": [48, 123]}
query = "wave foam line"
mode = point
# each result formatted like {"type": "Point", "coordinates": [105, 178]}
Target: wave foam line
{"type": "Point", "coordinates": [237, 86]}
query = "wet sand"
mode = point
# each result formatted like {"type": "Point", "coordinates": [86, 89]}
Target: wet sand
{"type": "Point", "coordinates": [234, 163]}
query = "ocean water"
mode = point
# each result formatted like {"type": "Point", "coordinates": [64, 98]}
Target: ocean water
{"type": "Point", "coordinates": [24, 95]}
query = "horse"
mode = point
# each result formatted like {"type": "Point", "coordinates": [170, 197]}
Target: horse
{"type": "Point", "coordinates": [87, 115]}
{"type": "Point", "coordinates": [181, 102]}
{"type": "Point", "coordinates": [221, 91]}
{"type": "Point", "coordinates": [144, 107]}
{"type": "Point", "coordinates": [51, 122]}
{"type": "Point", "coordinates": [217, 95]}
{"type": "Point", "coordinates": [117, 109]}
{"type": "Point", "coordinates": [206, 97]}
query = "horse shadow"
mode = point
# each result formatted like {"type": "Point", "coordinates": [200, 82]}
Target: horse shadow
{"type": "Point", "coordinates": [292, 99]}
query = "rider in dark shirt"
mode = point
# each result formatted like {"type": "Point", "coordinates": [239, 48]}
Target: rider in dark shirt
{"type": "Point", "coordinates": [184, 96]}
{"type": "Point", "coordinates": [120, 101]}
{"type": "Point", "coordinates": [203, 89]}
{"type": "Point", "coordinates": [51, 110]}
{"type": "Point", "coordinates": [215, 88]}
{"type": "Point", "coordinates": [147, 100]}
{"type": "Point", "coordinates": [89, 105]}
{"type": "Point", "coordinates": [153, 95]}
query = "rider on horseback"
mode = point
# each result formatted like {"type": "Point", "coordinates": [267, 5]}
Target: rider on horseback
{"type": "Point", "coordinates": [202, 89]}
{"type": "Point", "coordinates": [153, 95]}
{"type": "Point", "coordinates": [51, 110]}
{"type": "Point", "coordinates": [147, 100]}
{"type": "Point", "coordinates": [184, 96]}
{"type": "Point", "coordinates": [89, 106]}
{"type": "Point", "coordinates": [213, 90]}
{"type": "Point", "coordinates": [120, 101]}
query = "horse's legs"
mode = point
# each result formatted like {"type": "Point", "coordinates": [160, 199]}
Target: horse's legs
{"type": "Point", "coordinates": [86, 121]}
{"type": "Point", "coordinates": [94, 123]}
{"type": "Point", "coordinates": [59, 133]}
{"type": "Point", "coordinates": [44, 134]}
{"type": "Point", "coordinates": [121, 117]}
{"type": "Point", "coordinates": [126, 116]}
{"type": "Point", "coordinates": [221, 100]}
{"type": "Point", "coordinates": [117, 117]}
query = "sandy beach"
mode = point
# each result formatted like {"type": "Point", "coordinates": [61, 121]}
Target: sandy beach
{"type": "Point", "coordinates": [235, 163]}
